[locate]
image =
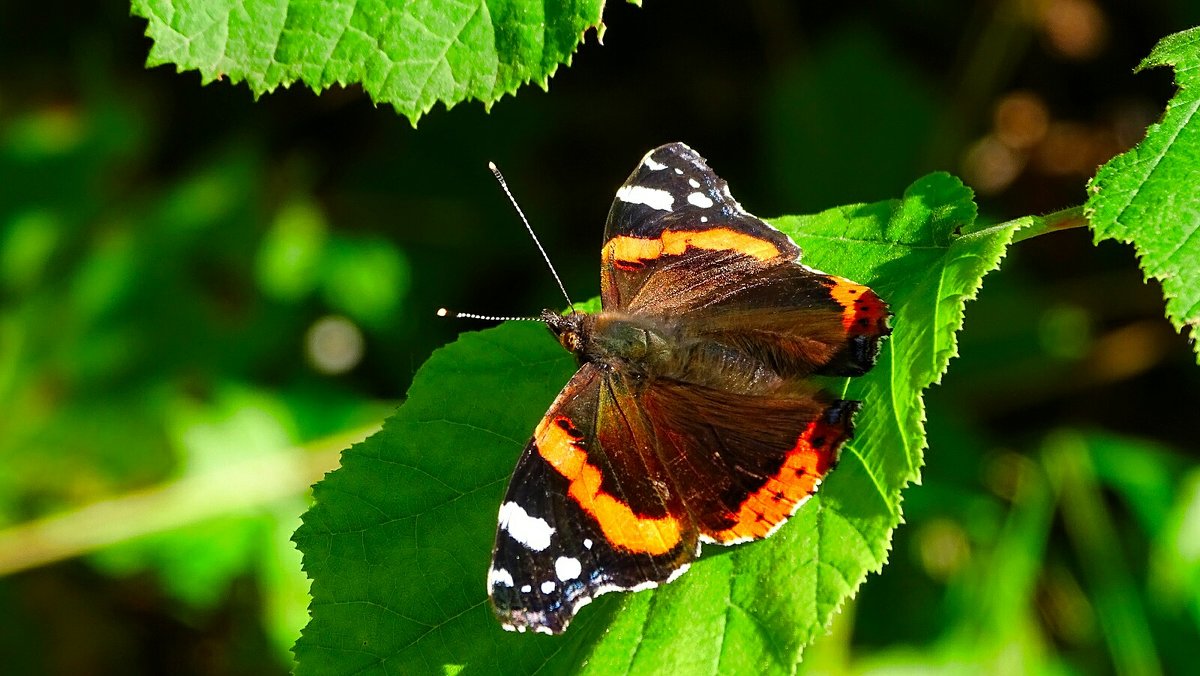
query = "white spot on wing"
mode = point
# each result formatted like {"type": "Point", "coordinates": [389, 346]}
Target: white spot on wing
{"type": "Point", "coordinates": [567, 568]}
{"type": "Point", "coordinates": [530, 531]}
{"type": "Point", "coordinates": [587, 542]}
{"type": "Point", "coordinates": [694, 183]}
{"type": "Point", "coordinates": [651, 197]}
{"type": "Point", "coordinates": [547, 586]}
{"type": "Point", "coordinates": [606, 588]}
{"type": "Point", "coordinates": [499, 576]}
{"type": "Point", "coordinates": [525, 588]}
{"type": "Point", "coordinates": [700, 199]}
{"type": "Point", "coordinates": [652, 165]}
{"type": "Point", "coordinates": [704, 219]}
{"type": "Point", "coordinates": [678, 171]}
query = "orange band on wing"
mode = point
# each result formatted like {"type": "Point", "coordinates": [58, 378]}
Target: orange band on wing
{"type": "Point", "coordinates": [558, 444]}
{"type": "Point", "coordinates": [803, 468]}
{"type": "Point", "coordinates": [862, 310]}
{"type": "Point", "coordinates": [632, 251]}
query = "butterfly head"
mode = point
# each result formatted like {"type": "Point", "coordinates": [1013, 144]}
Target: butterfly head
{"type": "Point", "coordinates": [573, 330]}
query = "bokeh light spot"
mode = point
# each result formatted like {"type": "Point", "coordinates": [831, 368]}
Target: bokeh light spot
{"type": "Point", "coordinates": [1021, 119]}
{"type": "Point", "coordinates": [334, 345]}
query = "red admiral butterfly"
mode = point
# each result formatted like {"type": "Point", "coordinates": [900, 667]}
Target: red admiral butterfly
{"type": "Point", "coordinates": [691, 419]}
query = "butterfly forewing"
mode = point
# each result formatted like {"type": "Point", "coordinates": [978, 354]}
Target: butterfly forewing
{"type": "Point", "coordinates": [585, 512]}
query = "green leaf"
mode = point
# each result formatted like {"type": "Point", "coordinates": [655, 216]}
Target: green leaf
{"type": "Point", "coordinates": [1148, 196]}
{"type": "Point", "coordinates": [398, 542]}
{"type": "Point", "coordinates": [410, 55]}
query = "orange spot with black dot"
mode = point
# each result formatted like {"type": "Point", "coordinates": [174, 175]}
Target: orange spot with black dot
{"type": "Point", "coordinates": [557, 442]}
{"type": "Point", "coordinates": [776, 500]}
{"type": "Point", "coordinates": [863, 312]}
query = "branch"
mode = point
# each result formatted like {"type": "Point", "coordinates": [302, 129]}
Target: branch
{"type": "Point", "coordinates": [1054, 222]}
{"type": "Point", "coordinates": [251, 483]}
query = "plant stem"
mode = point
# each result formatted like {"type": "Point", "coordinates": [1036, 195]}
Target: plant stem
{"type": "Point", "coordinates": [1052, 222]}
{"type": "Point", "coordinates": [251, 483]}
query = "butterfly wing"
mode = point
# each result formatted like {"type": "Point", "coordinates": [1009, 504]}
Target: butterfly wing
{"type": "Point", "coordinates": [746, 462]}
{"type": "Point", "coordinates": [589, 510]}
{"type": "Point", "coordinates": [677, 243]}
{"type": "Point", "coordinates": [671, 205]}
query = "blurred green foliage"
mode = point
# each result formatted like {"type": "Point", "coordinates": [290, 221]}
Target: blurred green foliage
{"type": "Point", "coordinates": [167, 249]}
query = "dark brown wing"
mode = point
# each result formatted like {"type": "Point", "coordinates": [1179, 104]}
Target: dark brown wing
{"type": "Point", "coordinates": [677, 243]}
{"type": "Point", "coordinates": [745, 463]}
{"type": "Point", "coordinates": [797, 322]}
{"type": "Point", "coordinates": [589, 510]}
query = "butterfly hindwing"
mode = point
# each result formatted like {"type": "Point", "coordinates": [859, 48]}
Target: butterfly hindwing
{"type": "Point", "coordinates": [746, 462]}
{"type": "Point", "coordinates": [799, 322]}
{"type": "Point", "coordinates": [677, 242]}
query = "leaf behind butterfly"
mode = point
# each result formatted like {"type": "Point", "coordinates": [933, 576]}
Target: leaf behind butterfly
{"type": "Point", "coordinates": [399, 540]}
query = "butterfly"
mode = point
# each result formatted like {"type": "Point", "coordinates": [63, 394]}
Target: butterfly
{"type": "Point", "coordinates": [692, 418]}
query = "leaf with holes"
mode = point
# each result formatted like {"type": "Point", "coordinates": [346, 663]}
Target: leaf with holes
{"type": "Point", "coordinates": [398, 542]}
{"type": "Point", "coordinates": [1148, 195]}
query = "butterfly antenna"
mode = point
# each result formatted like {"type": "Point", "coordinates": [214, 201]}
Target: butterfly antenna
{"type": "Point", "coordinates": [504, 186]}
{"type": "Point", "coordinates": [443, 312]}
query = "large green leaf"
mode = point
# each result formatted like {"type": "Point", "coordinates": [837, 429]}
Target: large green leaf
{"type": "Point", "coordinates": [1148, 196]}
{"type": "Point", "coordinates": [398, 541]}
{"type": "Point", "coordinates": [410, 55]}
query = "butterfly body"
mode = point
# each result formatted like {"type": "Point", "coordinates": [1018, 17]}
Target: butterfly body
{"type": "Point", "coordinates": [642, 348]}
{"type": "Point", "coordinates": [693, 418]}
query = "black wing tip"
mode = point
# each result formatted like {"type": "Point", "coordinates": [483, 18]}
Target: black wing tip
{"type": "Point", "coordinates": [552, 618]}
{"type": "Point", "coordinates": [841, 413]}
{"type": "Point", "coordinates": [556, 614]}
{"type": "Point", "coordinates": [858, 357]}
{"type": "Point", "coordinates": [523, 621]}
{"type": "Point", "coordinates": [675, 149]}
{"type": "Point", "coordinates": [674, 146]}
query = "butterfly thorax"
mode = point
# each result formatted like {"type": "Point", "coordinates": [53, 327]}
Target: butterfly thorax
{"type": "Point", "coordinates": [636, 344]}
{"type": "Point", "coordinates": [608, 337]}
{"type": "Point", "coordinates": [644, 347]}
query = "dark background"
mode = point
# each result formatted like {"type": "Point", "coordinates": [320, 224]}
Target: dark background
{"type": "Point", "coordinates": [167, 248]}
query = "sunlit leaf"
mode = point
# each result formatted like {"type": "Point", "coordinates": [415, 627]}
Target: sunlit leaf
{"type": "Point", "coordinates": [409, 55]}
{"type": "Point", "coordinates": [1148, 195]}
